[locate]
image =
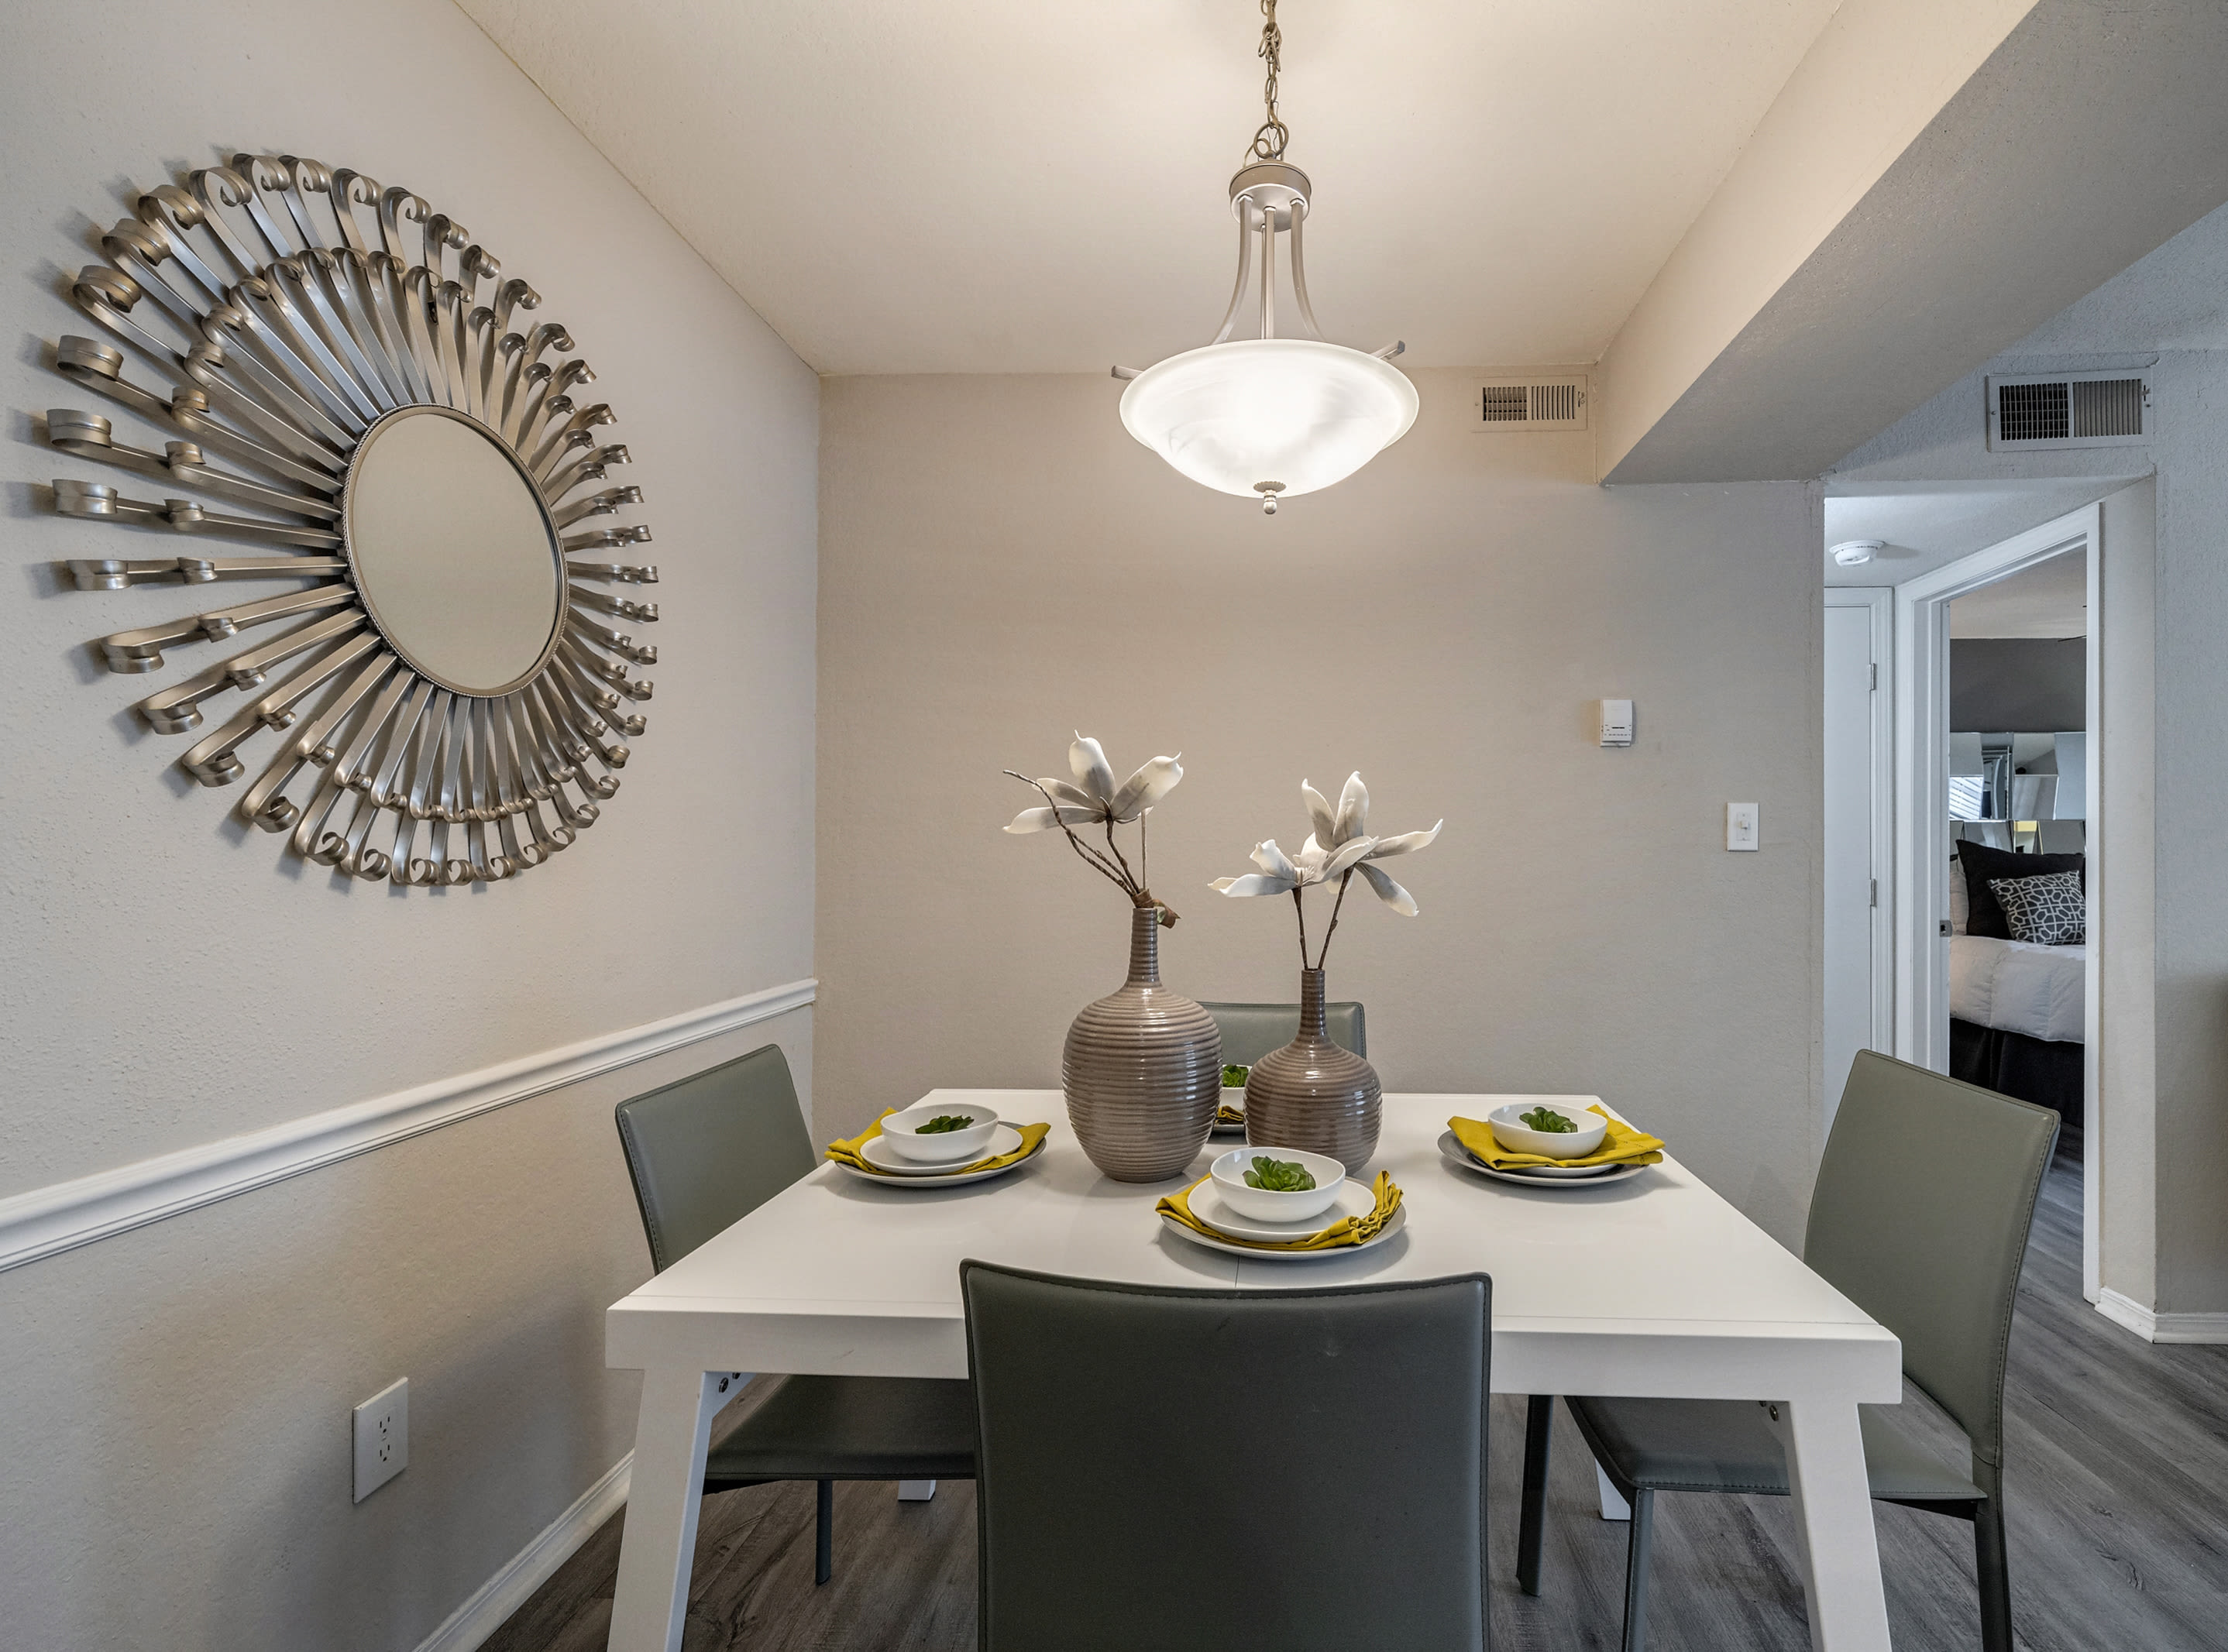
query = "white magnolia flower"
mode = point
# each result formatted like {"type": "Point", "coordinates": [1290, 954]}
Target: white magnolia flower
{"type": "Point", "coordinates": [1281, 874]}
{"type": "Point", "coordinates": [1338, 842]}
{"type": "Point", "coordinates": [1092, 797]}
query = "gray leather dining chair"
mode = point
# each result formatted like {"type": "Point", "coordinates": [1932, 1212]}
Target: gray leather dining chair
{"type": "Point", "coordinates": [1252, 1030]}
{"type": "Point", "coordinates": [1920, 1216]}
{"type": "Point", "coordinates": [703, 1154]}
{"type": "Point", "coordinates": [1293, 1470]}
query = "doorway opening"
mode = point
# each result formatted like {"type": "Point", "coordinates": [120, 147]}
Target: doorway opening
{"type": "Point", "coordinates": [1963, 744]}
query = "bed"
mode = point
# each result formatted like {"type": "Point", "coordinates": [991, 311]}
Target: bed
{"type": "Point", "coordinates": [2015, 1021]}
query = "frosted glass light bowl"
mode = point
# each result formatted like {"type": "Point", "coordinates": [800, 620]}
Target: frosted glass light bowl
{"type": "Point", "coordinates": [1291, 412]}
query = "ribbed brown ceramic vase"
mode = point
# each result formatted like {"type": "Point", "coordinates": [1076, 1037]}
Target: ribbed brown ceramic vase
{"type": "Point", "coordinates": [1142, 1070]}
{"type": "Point", "coordinates": [1315, 1094]}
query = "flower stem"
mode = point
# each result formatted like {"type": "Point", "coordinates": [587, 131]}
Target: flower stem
{"type": "Point", "coordinates": [1345, 878]}
{"type": "Point", "coordinates": [1133, 884]}
{"type": "Point", "coordinates": [1300, 907]}
{"type": "Point", "coordinates": [1090, 857]}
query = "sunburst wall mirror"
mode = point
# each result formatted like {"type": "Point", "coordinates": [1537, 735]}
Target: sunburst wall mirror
{"type": "Point", "coordinates": [444, 672]}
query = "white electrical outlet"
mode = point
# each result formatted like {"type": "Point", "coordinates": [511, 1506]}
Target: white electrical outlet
{"type": "Point", "coordinates": [382, 1438]}
{"type": "Point", "coordinates": [1740, 826]}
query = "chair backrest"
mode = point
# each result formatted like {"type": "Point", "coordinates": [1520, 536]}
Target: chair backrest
{"type": "Point", "coordinates": [1297, 1468]}
{"type": "Point", "coordinates": [706, 1151]}
{"type": "Point", "coordinates": [1920, 1217]}
{"type": "Point", "coordinates": [1252, 1030]}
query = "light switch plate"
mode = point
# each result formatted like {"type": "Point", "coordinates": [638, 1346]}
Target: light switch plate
{"type": "Point", "coordinates": [1740, 826]}
{"type": "Point", "coordinates": [382, 1437]}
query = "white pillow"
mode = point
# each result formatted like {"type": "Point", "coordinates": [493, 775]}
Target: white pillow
{"type": "Point", "coordinates": [1960, 908]}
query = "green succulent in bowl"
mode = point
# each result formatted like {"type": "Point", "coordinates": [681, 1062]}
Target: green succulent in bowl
{"type": "Point", "coordinates": [944, 1124]}
{"type": "Point", "coordinates": [1279, 1176]}
{"type": "Point", "coordinates": [1549, 1122]}
{"type": "Point", "coordinates": [1234, 1076]}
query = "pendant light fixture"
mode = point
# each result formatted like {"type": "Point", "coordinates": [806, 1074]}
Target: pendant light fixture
{"type": "Point", "coordinates": [1269, 417]}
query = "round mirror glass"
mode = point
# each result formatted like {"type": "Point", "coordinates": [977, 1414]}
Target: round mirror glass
{"type": "Point", "coordinates": [453, 554]}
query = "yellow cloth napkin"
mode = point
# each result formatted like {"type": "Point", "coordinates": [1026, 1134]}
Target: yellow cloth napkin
{"type": "Point", "coordinates": [1347, 1230]}
{"type": "Point", "coordinates": [847, 1153]}
{"type": "Point", "coordinates": [1226, 1114]}
{"type": "Point", "coordinates": [1621, 1144]}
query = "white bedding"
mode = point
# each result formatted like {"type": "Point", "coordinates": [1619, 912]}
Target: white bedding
{"type": "Point", "coordinates": [2018, 986]}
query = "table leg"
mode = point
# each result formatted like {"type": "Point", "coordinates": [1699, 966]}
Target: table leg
{"type": "Point", "coordinates": [671, 1434]}
{"type": "Point", "coordinates": [1834, 1508]}
{"type": "Point", "coordinates": [1613, 1505]}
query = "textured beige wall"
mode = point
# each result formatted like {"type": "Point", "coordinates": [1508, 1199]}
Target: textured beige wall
{"type": "Point", "coordinates": [176, 1430]}
{"type": "Point", "coordinates": [190, 981]}
{"type": "Point", "coordinates": [999, 563]}
{"type": "Point", "coordinates": [174, 1447]}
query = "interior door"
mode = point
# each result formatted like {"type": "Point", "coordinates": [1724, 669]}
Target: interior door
{"type": "Point", "coordinates": [1849, 851]}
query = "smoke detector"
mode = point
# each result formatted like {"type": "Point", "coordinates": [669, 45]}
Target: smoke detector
{"type": "Point", "coordinates": [1854, 553]}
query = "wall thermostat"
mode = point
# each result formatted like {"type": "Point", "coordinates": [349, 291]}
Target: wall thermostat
{"type": "Point", "coordinates": [1616, 721]}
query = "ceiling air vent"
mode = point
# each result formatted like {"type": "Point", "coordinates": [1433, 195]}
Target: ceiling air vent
{"type": "Point", "coordinates": [2069, 409]}
{"type": "Point", "coordinates": [1542, 403]}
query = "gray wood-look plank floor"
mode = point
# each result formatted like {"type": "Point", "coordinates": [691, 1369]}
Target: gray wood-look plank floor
{"type": "Point", "coordinates": [2118, 1491]}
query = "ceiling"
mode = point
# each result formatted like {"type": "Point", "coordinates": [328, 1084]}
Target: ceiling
{"type": "Point", "coordinates": [1016, 187]}
{"type": "Point", "coordinates": [2050, 599]}
{"type": "Point", "coordinates": [2173, 299]}
{"type": "Point", "coordinates": [1929, 524]}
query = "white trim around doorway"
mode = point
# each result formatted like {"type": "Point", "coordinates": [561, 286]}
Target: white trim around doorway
{"type": "Point", "coordinates": [1922, 834]}
{"type": "Point", "coordinates": [1880, 600]}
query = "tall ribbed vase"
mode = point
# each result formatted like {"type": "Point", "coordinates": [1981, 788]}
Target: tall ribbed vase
{"type": "Point", "coordinates": [1315, 1094]}
{"type": "Point", "coordinates": [1142, 1070]}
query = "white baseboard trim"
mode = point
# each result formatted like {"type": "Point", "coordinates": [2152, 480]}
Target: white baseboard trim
{"type": "Point", "coordinates": [65, 1214]}
{"type": "Point", "coordinates": [494, 1601]}
{"type": "Point", "coordinates": [2155, 1327]}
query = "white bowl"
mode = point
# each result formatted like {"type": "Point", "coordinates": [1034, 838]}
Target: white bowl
{"type": "Point", "coordinates": [1512, 1132]}
{"type": "Point", "coordinates": [1264, 1205]}
{"type": "Point", "coordinates": [902, 1131]}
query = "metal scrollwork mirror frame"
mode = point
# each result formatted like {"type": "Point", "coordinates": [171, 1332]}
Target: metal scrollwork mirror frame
{"type": "Point", "coordinates": [292, 309]}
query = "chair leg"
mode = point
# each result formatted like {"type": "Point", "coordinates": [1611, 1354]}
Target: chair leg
{"type": "Point", "coordinates": [1636, 1571]}
{"type": "Point", "coordinates": [823, 1549]}
{"type": "Point", "coordinates": [1539, 1434]}
{"type": "Point", "coordinates": [1995, 1577]}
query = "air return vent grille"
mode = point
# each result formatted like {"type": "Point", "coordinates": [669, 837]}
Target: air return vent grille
{"type": "Point", "coordinates": [1557, 403]}
{"type": "Point", "coordinates": [2069, 410]}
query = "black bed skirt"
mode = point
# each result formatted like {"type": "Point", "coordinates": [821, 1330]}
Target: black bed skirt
{"type": "Point", "coordinates": [2028, 1069]}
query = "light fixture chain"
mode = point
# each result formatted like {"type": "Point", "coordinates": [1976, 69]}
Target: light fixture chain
{"type": "Point", "coordinates": [1269, 143]}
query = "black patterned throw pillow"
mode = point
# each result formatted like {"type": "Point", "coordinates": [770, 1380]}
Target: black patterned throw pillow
{"type": "Point", "coordinates": [2045, 910]}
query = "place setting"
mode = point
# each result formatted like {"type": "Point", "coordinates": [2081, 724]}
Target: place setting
{"type": "Point", "coordinates": [1230, 1112]}
{"type": "Point", "coordinates": [1551, 1143]}
{"type": "Point", "coordinates": [1283, 1204]}
{"type": "Point", "coordinates": [939, 1143]}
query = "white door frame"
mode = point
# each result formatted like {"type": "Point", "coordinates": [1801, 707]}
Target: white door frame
{"type": "Point", "coordinates": [1921, 836]}
{"type": "Point", "coordinates": [1880, 600]}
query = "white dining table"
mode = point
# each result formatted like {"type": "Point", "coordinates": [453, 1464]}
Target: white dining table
{"type": "Point", "coordinates": [1655, 1286]}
